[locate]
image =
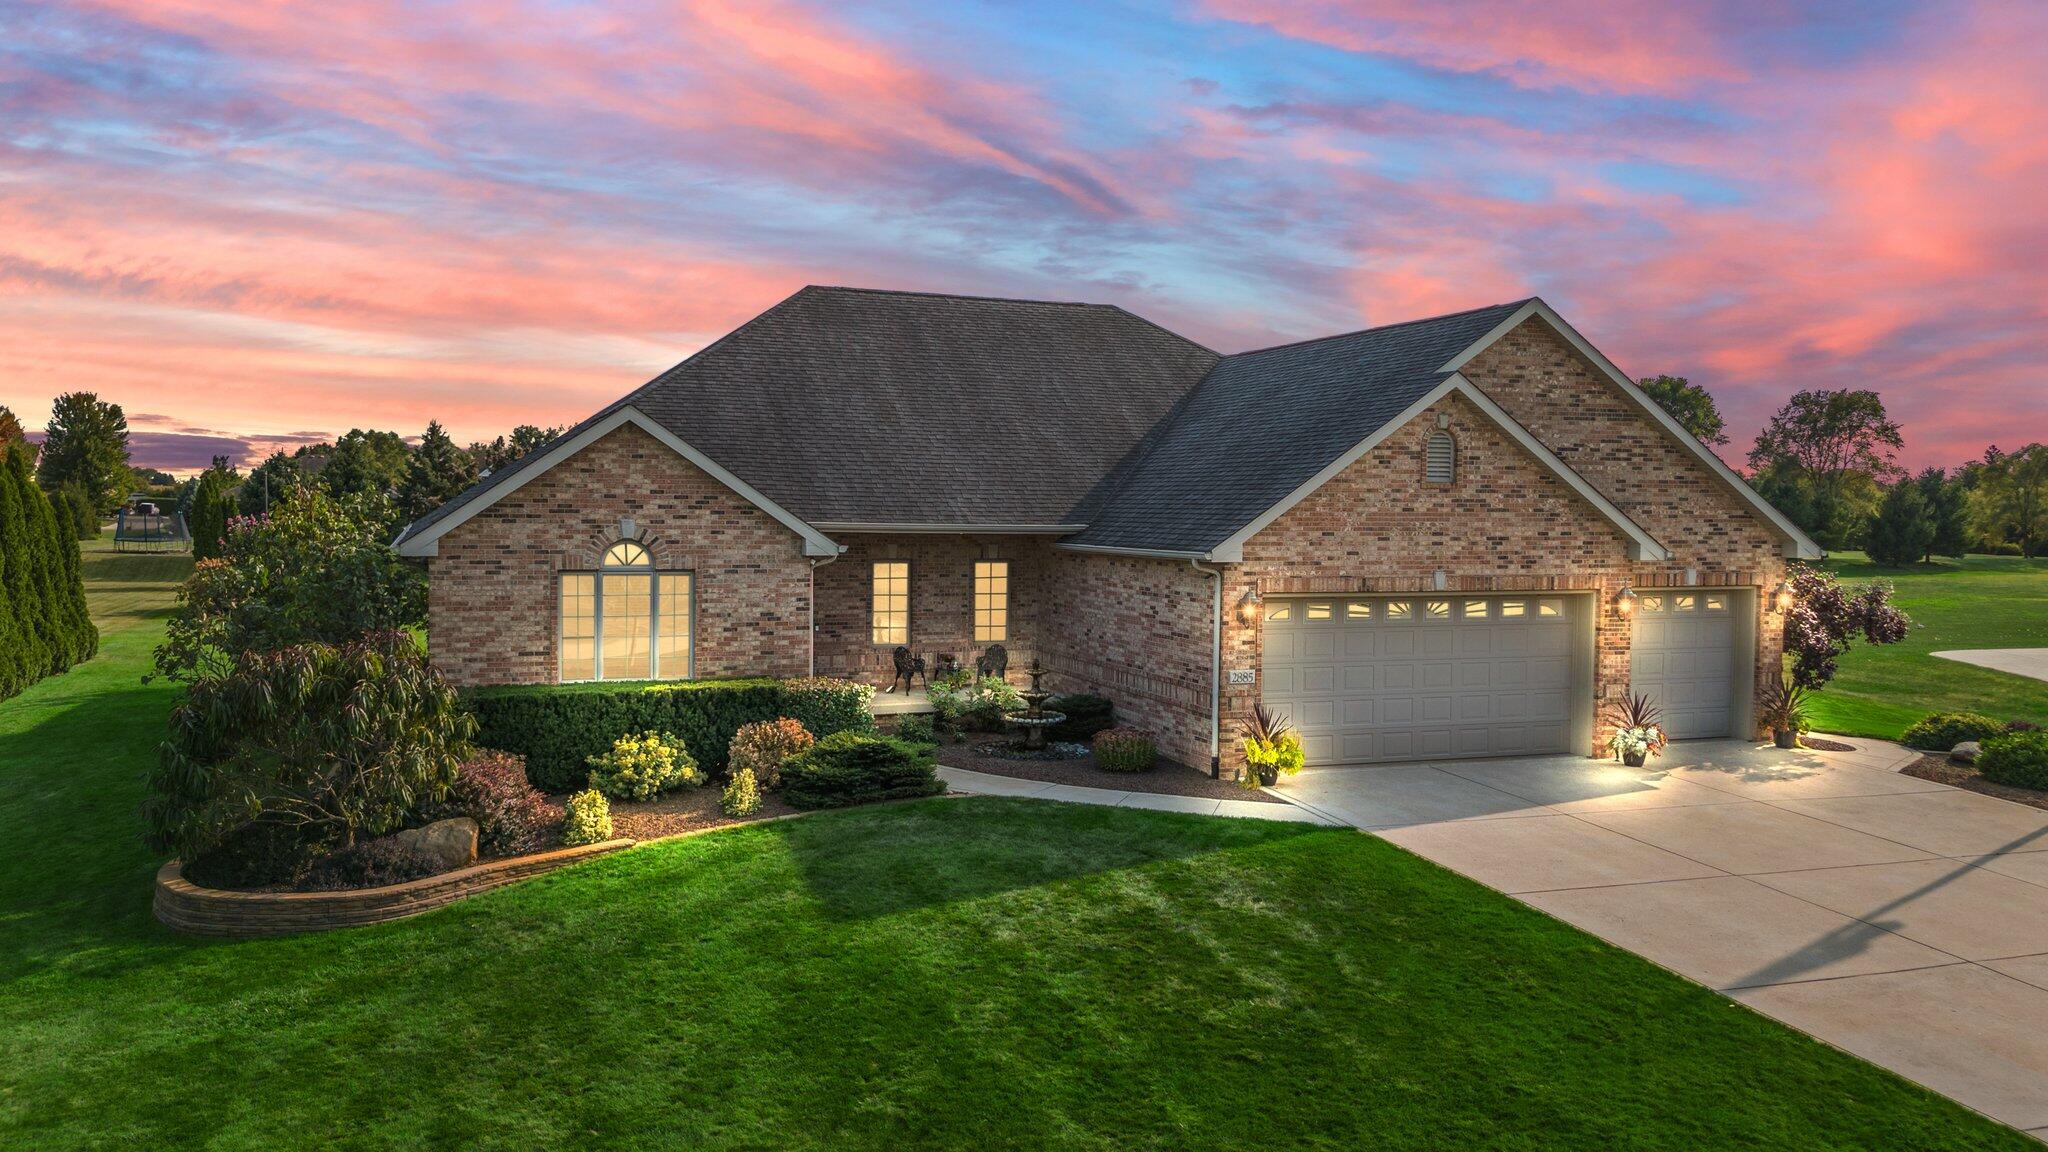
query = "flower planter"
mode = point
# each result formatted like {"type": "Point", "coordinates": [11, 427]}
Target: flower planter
{"type": "Point", "coordinates": [1785, 738]}
{"type": "Point", "coordinates": [1634, 759]}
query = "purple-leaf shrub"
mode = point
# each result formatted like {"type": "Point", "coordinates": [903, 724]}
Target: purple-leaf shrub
{"type": "Point", "coordinates": [1825, 616]}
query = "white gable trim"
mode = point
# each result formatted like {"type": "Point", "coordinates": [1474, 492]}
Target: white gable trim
{"type": "Point", "coordinates": [816, 543]}
{"type": "Point", "coordinates": [1231, 551]}
{"type": "Point", "coordinates": [1797, 543]}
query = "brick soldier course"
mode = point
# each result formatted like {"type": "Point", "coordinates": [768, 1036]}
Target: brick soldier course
{"type": "Point", "coordinates": [1119, 470]}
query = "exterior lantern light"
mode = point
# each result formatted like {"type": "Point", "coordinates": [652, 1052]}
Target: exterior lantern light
{"type": "Point", "coordinates": [1248, 606]}
{"type": "Point", "coordinates": [1783, 595]}
{"type": "Point", "coordinates": [1625, 600]}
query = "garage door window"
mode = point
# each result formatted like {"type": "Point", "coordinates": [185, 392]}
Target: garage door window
{"type": "Point", "coordinates": [1439, 609]}
{"type": "Point", "coordinates": [1280, 612]}
{"type": "Point", "coordinates": [1475, 609]}
{"type": "Point", "coordinates": [1512, 608]}
{"type": "Point", "coordinates": [1358, 610]}
{"type": "Point", "coordinates": [1319, 611]}
{"type": "Point", "coordinates": [1399, 610]}
{"type": "Point", "coordinates": [1717, 603]}
{"type": "Point", "coordinates": [1550, 607]}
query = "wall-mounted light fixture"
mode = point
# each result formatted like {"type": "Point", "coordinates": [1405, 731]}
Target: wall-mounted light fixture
{"type": "Point", "coordinates": [1248, 606]}
{"type": "Point", "coordinates": [1782, 595]}
{"type": "Point", "coordinates": [1625, 600]}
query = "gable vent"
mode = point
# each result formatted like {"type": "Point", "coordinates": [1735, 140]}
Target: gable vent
{"type": "Point", "coordinates": [1441, 459]}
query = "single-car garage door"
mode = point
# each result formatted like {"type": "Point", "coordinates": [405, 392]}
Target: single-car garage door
{"type": "Point", "coordinates": [1683, 659]}
{"type": "Point", "coordinates": [1404, 678]}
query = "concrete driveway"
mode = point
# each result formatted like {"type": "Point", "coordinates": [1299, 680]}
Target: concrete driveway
{"type": "Point", "coordinates": [1901, 920]}
{"type": "Point", "coordinates": [2018, 661]}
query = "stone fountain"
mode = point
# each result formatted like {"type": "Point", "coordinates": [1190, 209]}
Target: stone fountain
{"type": "Point", "coordinates": [1034, 719]}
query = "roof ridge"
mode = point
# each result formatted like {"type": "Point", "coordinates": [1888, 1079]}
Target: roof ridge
{"type": "Point", "coordinates": [1383, 327]}
{"type": "Point", "coordinates": [953, 296]}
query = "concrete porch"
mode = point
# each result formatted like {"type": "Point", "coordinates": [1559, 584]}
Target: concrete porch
{"type": "Point", "coordinates": [911, 703]}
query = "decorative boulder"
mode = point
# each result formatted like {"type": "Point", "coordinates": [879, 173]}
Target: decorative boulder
{"type": "Point", "coordinates": [1964, 753]}
{"type": "Point", "coordinates": [451, 843]}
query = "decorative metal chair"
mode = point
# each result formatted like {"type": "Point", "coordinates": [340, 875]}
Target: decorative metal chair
{"type": "Point", "coordinates": [906, 667]}
{"type": "Point", "coordinates": [994, 662]}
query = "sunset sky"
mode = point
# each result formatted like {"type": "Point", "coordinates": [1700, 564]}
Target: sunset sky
{"type": "Point", "coordinates": [255, 223]}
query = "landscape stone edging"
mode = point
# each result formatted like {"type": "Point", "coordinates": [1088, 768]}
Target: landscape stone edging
{"type": "Point", "coordinates": [185, 907]}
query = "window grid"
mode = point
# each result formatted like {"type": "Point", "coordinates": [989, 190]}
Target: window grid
{"type": "Point", "coordinates": [991, 601]}
{"type": "Point", "coordinates": [891, 616]}
{"type": "Point", "coordinates": [673, 658]}
{"type": "Point", "coordinates": [625, 621]}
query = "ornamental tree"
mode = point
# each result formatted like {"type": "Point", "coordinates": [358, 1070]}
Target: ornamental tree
{"type": "Point", "coordinates": [1825, 616]}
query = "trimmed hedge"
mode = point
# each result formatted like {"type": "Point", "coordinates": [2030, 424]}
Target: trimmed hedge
{"type": "Point", "coordinates": [1086, 716]}
{"type": "Point", "coordinates": [558, 727]}
{"type": "Point", "coordinates": [1944, 730]}
{"type": "Point", "coordinates": [2016, 758]}
{"type": "Point", "coordinates": [44, 627]}
{"type": "Point", "coordinates": [854, 768]}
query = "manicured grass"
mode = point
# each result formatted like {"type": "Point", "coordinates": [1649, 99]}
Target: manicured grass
{"type": "Point", "coordinates": [1977, 602]}
{"type": "Point", "coordinates": [966, 973]}
{"type": "Point", "coordinates": [123, 589]}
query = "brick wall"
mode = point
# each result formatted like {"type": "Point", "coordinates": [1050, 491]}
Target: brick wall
{"type": "Point", "coordinates": [941, 600]}
{"type": "Point", "coordinates": [492, 599]}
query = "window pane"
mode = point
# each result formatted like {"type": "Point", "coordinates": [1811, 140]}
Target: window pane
{"type": "Point", "coordinates": [1475, 609]}
{"type": "Point", "coordinates": [579, 626]}
{"type": "Point", "coordinates": [1358, 610]}
{"type": "Point", "coordinates": [1513, 608]}
{"type": "Point", "coordinates": [1319, 611]}
{"type": "Point", "coordinates": [1681, 603]}
{"type": "Point", "coordinates": [672, 637]}
{"type": "Point", "coordinates": [625, 639]}
{"type": "Point", "coordinates": [1280, 612]}
{"type": "Point", "coordinates": [1398, 610]}
{"type": "Point", "coordinates": [1653, 603]}
{"type": "Point", "coordinates": [625, 554]}
{"type": "Point", "coordinates": [991, 601]}
{"type": "Point", "coordinates": [891, 621]}
{"type": "Point", "coordinates": [1439, 609]}
{"type": "Point", "coordinates": [1550, 607]}
{"type": "Point", "coordinates": [1717, 603]}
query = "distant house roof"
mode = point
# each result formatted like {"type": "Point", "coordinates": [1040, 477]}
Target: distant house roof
{"type": "Point", "coordinates": [849, 409]}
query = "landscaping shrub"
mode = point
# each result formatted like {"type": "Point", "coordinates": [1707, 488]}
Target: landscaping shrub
{"type": "Point", "coordinates": [558, 727]}
{"type": "Point", "coordinates": [2016, 758]}
{"type": "Point", "coordinates": [742, 797]}
{"type": "Point", "coordinates": [856, 768]}
{"type": "Point", "coordinates": [640, 767]}
{"type": "Point", "coordinates": [2021, 726]}
{"type": "Point", "coordinates": [371, 864]}
{"type": "Point", "coordinates": [1825, 616]}
{"type": "Point", "coordinates": [44, 627]}
{"type": "Point", "coordinates": [1124, 750]}
{"type": "Point", "coordinates": [255, 856]}
{"type": "Point", "coordinates": [336, 743]}
{"type": "Point", "coordinates": [1085, 716]}
{"type": "Point", "coordinates": [760, 748]}
{"type": "Point", "coordinates": [1944, 730]}
{"type": "Point", "coordinates": [589, 819]}
{"type": "Point", "coordinates": [973, 702]}
{"type": "Point", "coordinates": [1272, 748]}
{"type": "Point", "coordinates": [512, 816]}
{"type": "Point", "coordinates": [917, 728]}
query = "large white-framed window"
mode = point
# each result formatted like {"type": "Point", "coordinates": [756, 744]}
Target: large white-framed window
{"type": "Point", "coordinates": [627, 621]}
{"type": "Point", "coordinates": [889, 621]}
{"type": "Point", "coordinates": [991, 601]}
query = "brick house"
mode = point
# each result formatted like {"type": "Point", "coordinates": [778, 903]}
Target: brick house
{"type": "Point", "coordinates": [1461, 536]}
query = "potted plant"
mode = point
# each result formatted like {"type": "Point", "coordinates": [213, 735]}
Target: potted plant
{"type": "Point", "coordinates": [1782, 709]}
{"type": "Point", "coordinates": [1271, 748]}
{"type": "Point", "coordinates": [1637, 735]}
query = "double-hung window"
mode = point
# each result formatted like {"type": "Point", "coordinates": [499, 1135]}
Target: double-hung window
{"type": "Point", "coordinates": [626, 621]}
{"type": "Point", "coordinates": [890, 620]}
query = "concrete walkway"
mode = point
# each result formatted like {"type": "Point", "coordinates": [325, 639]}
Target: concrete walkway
{"type": "Point", "coordinates": [2018, 661]}
{"type": "Point", "coordinates": [984, 784]}
{"type": "Point", "coordinates": [1899, 919]}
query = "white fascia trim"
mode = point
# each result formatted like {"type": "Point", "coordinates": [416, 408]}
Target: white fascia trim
{"type": "Point", "coordinates": [1146, 553]}
{"type": "Point", "coordinates": [1231, 551]}
{"type": "Point", "coordinates": [1797, 543]}
{"type": "Point", "coordinates": [955, 529]}
{"type": "Point", "coordinates": [816, 543]}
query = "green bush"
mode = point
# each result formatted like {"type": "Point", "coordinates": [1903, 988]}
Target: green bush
{"type": "Point", "coordinates": [44, 628]}
{"type": "Point", "coordinates": [973, 702]}
{"type": "Point", "coordinates": [1124, 750]}
{"type": "Point", "coordinates": [1085, 716]}
{"type": "Point", "coordinates": [760, 748]}
{"type": "Point", "coordinates": [335, 743]}
{"type": "Point", "coordinates": [641, 766]}
{"type": "Point", "coordinates": [1944, 730]}
{"type": "Point", "coordinates": [917, 728]}
{"type": "Point", "coordinates": [589, 819]}
{"type": "Point", "coordinates": [558, 727]}
{"type": "Point", "coordinates": [742, 797]}
{"type": "Point", "coordinates": [856, 768]}
{"type": "Point", "coordinates": [2016, 758]}
{"type": "Point", "coordinates": [371, 864]}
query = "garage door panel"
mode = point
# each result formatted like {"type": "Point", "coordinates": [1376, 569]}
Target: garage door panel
{"type": "Point", "coordinates": [1683, 658]}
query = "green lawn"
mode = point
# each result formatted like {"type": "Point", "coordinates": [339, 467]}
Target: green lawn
{"type": "Point", "coordinates": [976, 973]}
{"type": "Point", "coordinates": [1978, 602]}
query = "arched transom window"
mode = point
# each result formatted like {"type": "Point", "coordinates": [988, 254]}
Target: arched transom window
{"type": "Point", "coordinates": [1440, 459]}
{"type": "Point", "coordinates": [626, 620]}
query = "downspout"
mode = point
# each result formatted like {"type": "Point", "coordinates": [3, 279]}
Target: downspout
{"type": "Point", "coordinates": [811, 632]}
{"type": "Point", "coordinates": [1215, 672]}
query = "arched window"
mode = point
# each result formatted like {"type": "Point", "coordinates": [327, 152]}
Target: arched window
{"type": "Point", "coordinates": [626, 621]}
{"type": "Point", "coordinates": [1440, 459]}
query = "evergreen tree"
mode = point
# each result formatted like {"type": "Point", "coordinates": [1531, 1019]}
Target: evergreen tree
{"type": "Point", "coordinates": [364, 461]}
{"type": "Point", "coordinates": [86, 441]}
{"type": "Point", "coordinates": [44, 626]}
{"type": "Point", "coordinates": [11, 431]}
{"type": "Point", "coordinates": [502, 451]}
{"type": "Point", "coordinates": [272, 481]}
{"type": "Point", "coordinates": [213, 505]}
{"type": "Point", "coordinates": [1948, 506]}
{"type": "Point", "coordinates": [17, 636]}
{"type": "Point", "coordinates": [1902, 530]}
{"type": "Point", "coordinates": [75, 509]}
{"type": "Point", "coordinates": [437, 471]}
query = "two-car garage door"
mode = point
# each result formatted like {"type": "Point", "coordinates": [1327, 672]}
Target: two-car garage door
{"type": "Point", "coordinates": [1403, 678]}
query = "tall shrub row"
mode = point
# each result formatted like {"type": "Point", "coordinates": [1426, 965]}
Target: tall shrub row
{"type": "Point", "coordinates": [557, 728]}
{"type": "Point", "coordinates": [44, 628]}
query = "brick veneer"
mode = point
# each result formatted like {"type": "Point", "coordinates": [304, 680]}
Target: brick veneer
{"type": "Point", "coordinates": [941, 599]}
{"type": "Point", "coordinates": [492, 599]}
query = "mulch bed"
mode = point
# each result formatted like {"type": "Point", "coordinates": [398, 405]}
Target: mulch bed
{"type": "Point", "coordinates": [1820, 745]}
{"type": "Point", "coordinates": [683, 810]}
{"type": "Point", "coordinates": [1942, 770]}
{"type": "Point", "coordinates": [1167, 777]}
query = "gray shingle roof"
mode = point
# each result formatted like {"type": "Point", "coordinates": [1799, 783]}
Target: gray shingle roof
{"type": "Point", "coordinates": [1262, 423]}
{"type": "Point", "coordinates": [856, 405]}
